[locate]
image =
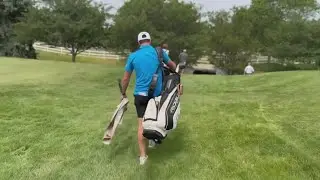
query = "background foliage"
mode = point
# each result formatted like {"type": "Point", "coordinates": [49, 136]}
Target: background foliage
{"type": "Point", "coordinates": [286, 30]}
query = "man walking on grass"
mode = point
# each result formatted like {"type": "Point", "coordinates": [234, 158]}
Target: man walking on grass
{"type": "Point", "coordinates": [183, 57]}
{"type": "Point", "coordinates": [145, 63]}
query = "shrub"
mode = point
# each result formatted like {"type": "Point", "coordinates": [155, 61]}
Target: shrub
{"type": "Point", "coordinates": [272, 67]}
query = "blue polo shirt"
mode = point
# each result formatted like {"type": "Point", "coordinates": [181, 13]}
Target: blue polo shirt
{"type": "Point", "coordinates": [145, 63]}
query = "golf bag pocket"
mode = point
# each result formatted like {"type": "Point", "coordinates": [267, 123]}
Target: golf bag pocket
{"type": "Point", "coordinates": [151, 126]}
{"type": "Point", "coordinates": [151, 111]}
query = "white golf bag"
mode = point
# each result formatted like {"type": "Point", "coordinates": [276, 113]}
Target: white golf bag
{"type": "Point", "coordinates": [163, 112]}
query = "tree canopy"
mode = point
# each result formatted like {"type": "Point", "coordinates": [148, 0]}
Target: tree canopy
{"type": "Point", "coordinates": [176, 23]}
{"type": "Point", "coordinates": [281, 29]}
{"type": "Point", "coordinates": [11, 13]}
{"type": "Point", "coordinates": [288, 30]}
{"type": "Point", "coordinates": [76, 25]}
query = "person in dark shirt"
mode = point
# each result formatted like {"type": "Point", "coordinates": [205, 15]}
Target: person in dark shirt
{"type": "Point", "coordinates": [183, 57]}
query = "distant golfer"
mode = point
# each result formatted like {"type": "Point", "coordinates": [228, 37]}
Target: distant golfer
{"type": "Point", "coordinates": [145, 63]}
{"type": "Point", "coordinates": [248, 70]}
{"type": "Point", "coordinates": [183, 57]}
{"type": "Point", "coordinates": [165, 48]}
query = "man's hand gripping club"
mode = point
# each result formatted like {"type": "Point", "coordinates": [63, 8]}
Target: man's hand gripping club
{"type": "Point", "coordinates": [125, 83]}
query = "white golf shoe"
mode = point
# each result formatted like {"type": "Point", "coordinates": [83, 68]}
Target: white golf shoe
{"type": "Point", "coordinates": [143, 160]}
{"type": "Point", "coordinates": [152, 144]}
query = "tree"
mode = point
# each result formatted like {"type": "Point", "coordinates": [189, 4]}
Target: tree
{"type": "Point", "coordinates": [174, 22]}
{"type": "Point", "coordinates": [265, 17]}
{"type": "Point", "coordinates": [10, 14]}
{"type": "Point", "coordinates": [314, 41]}
{"type": "Point", "coordinates": [77, 25]}
{"type": "Point", "coordinates": [231, 39]}
{"type": "Point", "coordinates": [280, 26]}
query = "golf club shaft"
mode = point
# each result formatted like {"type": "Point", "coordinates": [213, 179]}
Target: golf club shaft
{"type": "Point", "coordinates": [120, 85]}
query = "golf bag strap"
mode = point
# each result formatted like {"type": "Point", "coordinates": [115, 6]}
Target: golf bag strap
{"type": "Point", "coordinates": [155, 77]}
{"type": "Point", "coordinates": [160, 55]}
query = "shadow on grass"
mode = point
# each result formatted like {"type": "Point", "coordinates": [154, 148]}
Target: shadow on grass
{"type": "Point", "coordinates": [160, 156]}
{"type": "Point", "coordinates": [172, 145]}
{"type": "Point", "coordinates": [165, 155]}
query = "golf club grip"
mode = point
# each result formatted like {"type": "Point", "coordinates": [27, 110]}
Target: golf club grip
{"type": "Point", "coordinates": [120, 85]}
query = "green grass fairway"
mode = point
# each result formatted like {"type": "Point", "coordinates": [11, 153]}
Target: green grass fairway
{"type": "Point", "coordinates": [53, 114]}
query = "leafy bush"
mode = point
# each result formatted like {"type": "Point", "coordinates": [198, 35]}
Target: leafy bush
{"type": "Point", "coordinates": [272, 67]}
{"type": "Point", "coordinates": [306, 66]}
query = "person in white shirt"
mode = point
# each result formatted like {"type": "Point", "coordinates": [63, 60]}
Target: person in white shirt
{"type": "Point", "coordinates": [248, 70]}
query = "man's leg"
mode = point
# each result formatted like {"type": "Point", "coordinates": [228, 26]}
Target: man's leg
{"type": "Point", "coordinates": [141, 103]}
{"type": "Point", "coordinates": [182, 66]}
{"type": "Point", "coordinates": [141, 139]}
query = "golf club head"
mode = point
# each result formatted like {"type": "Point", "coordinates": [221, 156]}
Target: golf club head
{"type": "Point", "coordinates": [106, 142]}
{"type": "Point", "coordinates": [115, 121]}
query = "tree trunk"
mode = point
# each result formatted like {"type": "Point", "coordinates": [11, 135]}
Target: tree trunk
{"type": "Point", "coordinates": [268, 63]}
{"type": "Point", "coordinates": [74, 57]}
{"type": "Point", "coordinates": [73, 53]}
{"type": "Point", "coordinates": [32, 52]}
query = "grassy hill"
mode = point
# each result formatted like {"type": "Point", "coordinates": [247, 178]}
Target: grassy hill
{"type": "Point", "coordinates": [53, 114]}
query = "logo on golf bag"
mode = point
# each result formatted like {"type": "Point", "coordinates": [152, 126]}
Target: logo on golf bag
{"type": "Point", "coordinates": [174, 105]}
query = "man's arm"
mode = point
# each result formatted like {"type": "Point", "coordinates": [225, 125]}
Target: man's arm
{"type": "Point", "coordinates": [172, 65]}
{"type": "Point", "coordinates": [125, 82]}
{"type": "Point", "coordinates": [126, 76]}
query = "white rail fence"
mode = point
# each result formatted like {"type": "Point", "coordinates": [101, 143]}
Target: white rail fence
{"type": "Point", "coordinates": [89, 53]}
{"type": "Point", "coordinates": [112, 56]}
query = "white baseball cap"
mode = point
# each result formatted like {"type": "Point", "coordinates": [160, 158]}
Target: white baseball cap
{"type": "Point", "coordinates": [144, 36]}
